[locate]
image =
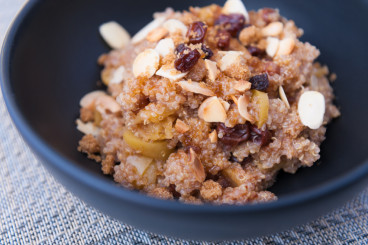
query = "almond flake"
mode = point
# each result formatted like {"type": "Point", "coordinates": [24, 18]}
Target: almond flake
{"type": "Point", "coordinates": [225, 104]}
{"type": "Point", "coordinates": [87, 128]}
{"type": "Point", "coordinates": [213, 136]}
{"type": "Point", "coordinates": [273, 29]}
{"type": "Point", "coordinates": [243, 102]}
{"type": "Point", "coordinates": [181, 127]}
{"type": "Point", "coordinates": [118, 75]}
{"type": "Point", "coordinates": [165, 47]}
{"type": "Point", "coordinates": [234, 99]}
{"type": "Point", "coordinates": [107, 103]}
{"type": "Point", "coordinates": [146, 63]}
{"type": "Point", "coordinates": [156, 34]}
{"type": "Point", "coordinates": [141, 35]}
{"type": "Point", "coordinates": [114, 35]}
{"type": "Point", "coordinates": [88, 100]}
{"type": "Point", "coordinates": [283, 97]}
{"type": "Point", "coordinates": [272, 46]}
{"type": "Point", "coordinates": [175, 26]}
{"type": "Point", "coordinates": [242, 86]}
{"type": "Point", "coordinates": [235, 7]}
{"type": "Point", "coordinates": [195, 87]}
{"type": "Point", "coordinates": [229, 59]}
{"type": "Point", "coordinates": [211, 110]}
{"type": "Point", "coordinates": [212, 70]}
{"type": "Point", "coordinates": [286, 46]}
{"type": "Point", "coordinates": [170, 73]}
{"type": "Point", "coordinates": [196, 166]}
{"type": "Point", "coordinates": [311, 109]}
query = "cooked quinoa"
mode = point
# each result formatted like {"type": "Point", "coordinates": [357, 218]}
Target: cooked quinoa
{"type": "Point", "coordinates": [207, 105]}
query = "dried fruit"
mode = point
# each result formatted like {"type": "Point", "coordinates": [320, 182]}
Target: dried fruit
{"type": "Point", "coordinates": [254, 51]}
{"type": "Point", "coordinates": [260, 137]}
{"type": "Point", "coordinates": [259, 82]}
{"type": "Point", "coordinates": [197, 32]}
{"type": "Point", "coordinates": [181, 48]}
{"type": "Point", "coordinates": [235, 7]}
{"type": "Point", "coordinates": [269, 15]}
{"type": "Point", "coordinates": [223, 39]}
{"type": "Point", "coordinates": [233, 136]}
{"type": "Point", "coordinates": [208, 52]}
{"type": "Point", "coordinates": [187, 60]}
{"type": "Point", "coordinates": [232, 23]}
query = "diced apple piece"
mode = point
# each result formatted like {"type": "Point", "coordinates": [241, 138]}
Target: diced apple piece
{"type": "Point", "coordinates": [261, 99]}
{"type": "Point", "coordinates": [141, 163]}
{"type": "Point", "coordinates": [155, 149]}
{"type": "Point", "coordinates": [235, 175]}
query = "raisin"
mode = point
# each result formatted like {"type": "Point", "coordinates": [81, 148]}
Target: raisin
{"type": "Point", "coordinates": [207, 51]}
{"type": "Point", "coordinates": [233, 136]}
{"type": "Point", "coordinates": [259, 82]}
{"type": "Point", "coordinates": [223, 182]}
{"type": "Point", "coordinates": [232, 23]}
{"type": "Point", "coordinates": [223, 39]}
{"type": "Point", "coordinates": [269, 15]}
{"type": "Point", "coordinates": [181, 48]}
{"type": "Point", "coordinates": [186, 60]}
{"type": "Point", "coordinates": [254, 51]}
{"type": "Point", "coordinates": [260, 137]}
{"type": "Point", "coordinates": [197, 32]}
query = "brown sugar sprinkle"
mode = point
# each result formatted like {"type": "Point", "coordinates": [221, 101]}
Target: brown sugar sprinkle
{"type": "Point", "coordinates": [208, 125]}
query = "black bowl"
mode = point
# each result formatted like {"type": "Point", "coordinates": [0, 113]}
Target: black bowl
{"type": "Point", "coordinates": [49, 62]}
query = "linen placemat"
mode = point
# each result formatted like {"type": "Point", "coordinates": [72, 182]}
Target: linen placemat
{"type": "Point", "coordinates": [35, 209]}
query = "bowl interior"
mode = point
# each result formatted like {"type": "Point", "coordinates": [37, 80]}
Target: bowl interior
{"type": "Point", "coordinates": [53, 64]}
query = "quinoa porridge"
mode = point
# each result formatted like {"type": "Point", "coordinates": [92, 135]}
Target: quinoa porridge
{"type": "Point", "coordinates": [207, 105]}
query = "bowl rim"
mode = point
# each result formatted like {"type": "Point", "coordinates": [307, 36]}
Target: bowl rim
{"type": "Point", "coordinates": [51, 156]}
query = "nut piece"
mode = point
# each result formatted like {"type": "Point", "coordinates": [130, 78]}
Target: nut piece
{"type": "Point", "coordinates": [213, 136]}
{"type": "Point", "coordinates": [87, 128]}
{"type": "Point", "coordinates": [175, 26]}
{"type": "Point", "coordinates": [141, 163]}
{"type": "Point", "coordinates": [141, 35]}
{"type": "Point", "coordinates": [235, 7]}
{"type": "Point", "coordinates": [273, 29]}
{"type": "Point", "coordinates": [114, 35]}
{"type": "Point", "coordinates": [248, 35]}
{"type": "Point", "coordinates": [212, 110]}
{"type": "Point", "coordinates": [181, 127]}
{"type": "Point", "coordinates": [272, 46]}
{"type": "Point", "coordinates": [311, 109]}
{"type": "Point", "coordinates": [170, 73]}
{"type": "Point", "coordinates": [286, 46]}
{"type": "Point", "coordinates": [146, 63]}
{"type": "Point", "coordinates": [197, 166]}
{"type": "Point", "coordinates": [118, 75]}
{"type": "Point", "coordinates": [88, 100]}
{"type": "Point", "coordinates": [106, 103]}
{"type": "Point", "coordinates": [243, 102]}
{"type": "Point", "coordinates": [242, 86]}
{"type": "Point", "coordinates": [230, 58]}
{"type": "Point", "coordinates": [283, 97]}
{"type": "Point", "coordinates": [212, 70]}
{"type": "Point", "coordinates": [156, 34]}
{"type": "Point", "coordinates": [165, 47]}
{"type": "Point", "coordinates": [225, 104]}
{"type": "Point", "coordinates": [194, 87]}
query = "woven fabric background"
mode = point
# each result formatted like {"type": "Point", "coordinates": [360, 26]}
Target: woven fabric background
{"type": "Point", "coordinates": [35, 209]}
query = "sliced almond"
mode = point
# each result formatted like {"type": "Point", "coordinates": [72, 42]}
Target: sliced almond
{"type": "Point", "coordinates": [235, 7]}
{"type": "Point", "coordinates": [272, 46]}
{"type": "Point", "coordinates": [311, 109]}
{"type": "Point", "coordinates": [273, 29]}
{"type": "Point", "coordinates": [114, 35]}
{"type": "Point", "coordinates": [141, 35]}
{"type": "Point", "coordinates": [248, 35]}
{"type": "Point", "coordinates": [283, 97]}
{"type": "Point", "coordinates": [88, 100]}
{"type": "Point", "coordinates": [229, 59]}
{"type": "Point", "coordinates": [170, 73]}
{"type": "Point", "coordinates": [141, 163]}
{"type": "Point", "coordinates": [107, 103]}
{"type": "Point", "coordinates": [146, 63]}
{"type": "Point", "coordinates": [118, 75]}
{"type": "Point", "coordinates": [234, 99]}
{"type": "Point", "coordinates": [211, 110]}
{"type": "Point", "coordinates": [196, 166]}
{"type": "Point", "coordinates": [157, 34]}
{"type": "Point", "coordinates": [225, 104]}
{"type": "Point", "coordinates": [175, 26]}
{"type": "Point", "coordinates": [213, 136]}
{"type": "Point", "coordinates": [242, 86]}
{"type": "Point", "coordinates": [165, 47]}
{"type": "Point", "coordinates": [212, 70]}
{"type": "Point", "coordinates": [243, 102]}
{"type": "Point", "coordinates": [87, 128]}
{"type": "Point", "coordinates": [181, 127]}
{"type": "Point", "coordinates": [195, 87]}
{"type": "Point", "coordinates": [286, 46]}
